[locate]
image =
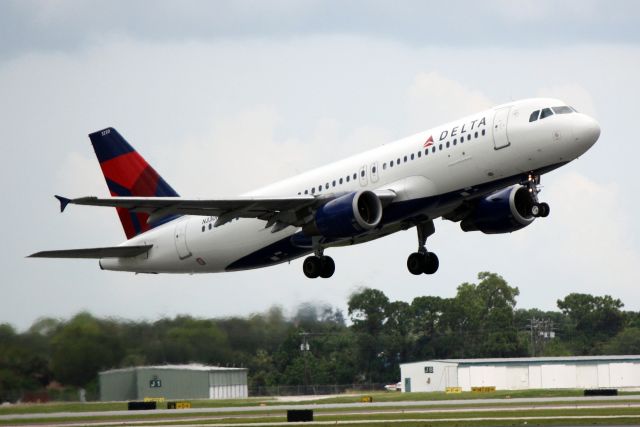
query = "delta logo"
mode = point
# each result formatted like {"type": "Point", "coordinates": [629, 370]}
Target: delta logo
{"type": "Point", "coordinates": [457, 130]}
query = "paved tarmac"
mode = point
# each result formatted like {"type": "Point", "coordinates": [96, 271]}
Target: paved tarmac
{"type": "Point", "coordinates": [529, 403]}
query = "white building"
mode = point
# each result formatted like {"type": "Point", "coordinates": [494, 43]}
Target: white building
{"type": "Point", "coordinates": [582, 372]}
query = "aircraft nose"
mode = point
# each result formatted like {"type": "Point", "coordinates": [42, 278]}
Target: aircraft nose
{"type": "Point", "coordinates": [588, 131]}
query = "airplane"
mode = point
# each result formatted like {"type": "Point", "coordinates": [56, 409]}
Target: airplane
{"type": "Point", "coordinates": [482, 171]}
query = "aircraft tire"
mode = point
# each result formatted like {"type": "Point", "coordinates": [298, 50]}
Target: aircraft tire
{"type": "Point", "coordinates": [312, 267]}
{"type": "Point", "coordinates": [430, 263]}
{"type": "Point", "coordinates": [544, 210]}
{"type": "Point", "coordinates": [415, 263]}
{"type": "Point", "coordinates": [328, 267]}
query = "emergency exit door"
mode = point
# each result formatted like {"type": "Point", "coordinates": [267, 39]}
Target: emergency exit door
{"type": "Point", "coordinates": [180, 234]}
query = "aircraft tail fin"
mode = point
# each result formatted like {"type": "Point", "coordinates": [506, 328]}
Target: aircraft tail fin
{"type": "Point", "coordinates": [127, 173]}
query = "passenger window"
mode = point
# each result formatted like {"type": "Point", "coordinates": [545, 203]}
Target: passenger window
{"type": "Point", "coordinates": [326, 186]}
{"type": "Point", "coordinates": [373, 169]}
{"type": "Point", "coordinates": [340, 181]}
{"type": "Point", "coordinates": [333, 183]}
{"type": "Point", "coordinates": [319, 188]}
{"type": "Point", "coordinates": [313, 190]}
{"type": "Point", "coordinates": [391, 163]}
{"type": "Point", "coordinates": [426, 151]}
{"type": "Point", "coordinates": [306, 191]}
{"type": "Point", "coordinates": [405, 159]}
{"type": "Point", "coordinates": [440, 147]}
{"type": "Point", "coordinates": [384, 166]}
{"type": "Point", "coordinates": [355, 175]}
{"type": "Point", "coordinates": [561, 110]}
{"type": "Point", "coordinates": [455, 141]}
{"type": "Point", "coordinates": [210, 226]}
{"type": "Point", "coordinates": [433, 149]}
{"type": "Point", "coordinates": [348, 178]}
{"type": "Point", "coordinates": [534, 116]}
{"type": "Point", "coordinates": [546, 113]}
{"type": "Point", "coordinates": [483, 132]}
{"type": "Point", "coordinates": [469, 137]}
{"type": "Point", "coordinates": [475, 135]}
{"type": "Point", "coordinates": [362, 173]}
{"type": "Point", "coordinates": [203, 228]}
{"type": "Point", "coordinates": [412, 157]}
{"type": "Point", "coordinates": [398, 161]}
{"type": "Point", "coordinates": [448, 144]}
{"type": "Point", "coordinates": [419, 153]}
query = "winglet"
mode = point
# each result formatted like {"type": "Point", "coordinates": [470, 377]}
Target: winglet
{"type": "Point", "coordinates": [63, 202]}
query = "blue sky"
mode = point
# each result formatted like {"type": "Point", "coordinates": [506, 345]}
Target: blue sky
{"type": "Point", "coordinates": [223, 97]}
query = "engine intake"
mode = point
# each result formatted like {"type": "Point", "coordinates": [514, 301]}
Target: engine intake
{"type": "Point", "coordinates": [504, 211]}
{"type": "Point", "coordinates": [347, 215]}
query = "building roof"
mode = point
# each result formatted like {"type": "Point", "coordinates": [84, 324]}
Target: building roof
{"type": "Point", "coordinates": [189, 367]}
{"type": "Point", "coordinates": [521, 360]}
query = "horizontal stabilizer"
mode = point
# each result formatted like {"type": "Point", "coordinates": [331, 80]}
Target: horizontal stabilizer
{"type": "Point", "coordinates": [63, 202]}
{"type": "Point", "coordinates": [96, 253]}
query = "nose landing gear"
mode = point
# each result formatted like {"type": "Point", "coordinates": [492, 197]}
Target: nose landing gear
{"type": "Point", "coordinates": [537, 210]}
{"type": "Point", "coordinates": [423, 261]}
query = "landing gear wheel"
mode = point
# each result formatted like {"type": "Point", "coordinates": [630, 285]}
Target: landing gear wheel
{"type": "Point", "coordinates": [328, 267]}
{"type": "Point", "coordinates": [544, 210]}
{"type": "Point", "coordinates": [535, 210]}
{"type": "Point", "coordinates": [415, 263]}
{"type": "Point", "coordinates": [312, 267]}
{"type": "Point", "coordinates": [430, 263]}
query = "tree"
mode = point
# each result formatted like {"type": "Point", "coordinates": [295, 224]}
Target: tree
{"type": "Point", "coordinates": [592, 320]}
{"type": "Point", "coordinates": [82, 347]}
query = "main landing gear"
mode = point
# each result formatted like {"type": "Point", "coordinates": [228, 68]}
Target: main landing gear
{"type": "Point", "coordinates": [537, 209]}
{"type": "Point", "coordinates": [423, 261]}
{"type": "Point", "coordinates": [318, 265]}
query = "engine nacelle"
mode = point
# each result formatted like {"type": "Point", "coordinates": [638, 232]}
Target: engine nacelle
{"type": "Point", "coordinates": [504, 211]}
{"type": "Point", "coordinates": [347, 215]}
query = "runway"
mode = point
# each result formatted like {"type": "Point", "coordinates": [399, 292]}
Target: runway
{"type": "Point", "coordinates": [441, 411]}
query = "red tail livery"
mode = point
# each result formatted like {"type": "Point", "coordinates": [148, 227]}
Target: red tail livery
{"type": "Point", "coordinates": [128, 175]}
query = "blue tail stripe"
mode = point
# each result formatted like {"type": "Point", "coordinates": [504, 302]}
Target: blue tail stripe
{"type": "Point", "coordinates": [108, 143]}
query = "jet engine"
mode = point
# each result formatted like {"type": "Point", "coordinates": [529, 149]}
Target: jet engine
{"type": "Point", "coordinates": [504, 211]}
{"type": "Point", "coordinates": [347, 215]}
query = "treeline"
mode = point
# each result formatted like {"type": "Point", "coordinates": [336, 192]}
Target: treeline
{"type": "Point", "coordinates": [479, 321]}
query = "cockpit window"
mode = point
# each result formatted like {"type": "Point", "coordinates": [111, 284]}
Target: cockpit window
{"type": "Point", "coordinates": [574, 110]}
{"type": "Point", "coordinates": [546, 112]}
{"type": "Point", "coordinates": [562, 110]}
{"type": "Point", "coordinates": [534, 116]}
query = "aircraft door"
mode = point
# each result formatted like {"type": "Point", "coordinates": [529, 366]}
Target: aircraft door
{"type": "Point", "coordinates": [363, 176]}
{"type": "Point", "coordinates": [374, 172]}
{"type": "Point", "coordinates": [500, 135]}
{"type": "Point", "coordinates": [181, 240]}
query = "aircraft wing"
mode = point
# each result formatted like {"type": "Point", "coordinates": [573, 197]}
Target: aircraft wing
{"type": "Point", "coordinates": [97, 253]}
{"type": "Point", "coordinates": [279, 212]}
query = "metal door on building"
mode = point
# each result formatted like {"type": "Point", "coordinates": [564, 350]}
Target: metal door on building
{"type": "Point", "coordinates": [181, 240]}
{"type": "Point", "coordinates": [500, 135]}
{"type": "Point", "coordinates": [407, 385]}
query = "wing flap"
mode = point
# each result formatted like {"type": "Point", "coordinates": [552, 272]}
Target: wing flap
{"type": "Point", "coordinates": [95, 253]}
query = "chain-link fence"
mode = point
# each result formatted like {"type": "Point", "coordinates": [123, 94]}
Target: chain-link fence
{"type": "Point", "coordinates": [313, 389]}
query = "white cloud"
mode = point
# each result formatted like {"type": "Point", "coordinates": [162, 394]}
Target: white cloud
{"type": "Point", "coordinates": [435, 99]}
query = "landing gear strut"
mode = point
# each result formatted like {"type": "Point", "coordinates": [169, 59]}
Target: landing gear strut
{"type": "Point", "coordinates": [318, 265]}
{"type": "Point", "coordinates": [423, 261]}
{"type": "Point", "coordinates": [537, 210]}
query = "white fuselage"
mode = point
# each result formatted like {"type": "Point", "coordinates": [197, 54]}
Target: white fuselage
{"type": "Point", "coordinates": [499, 146]}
